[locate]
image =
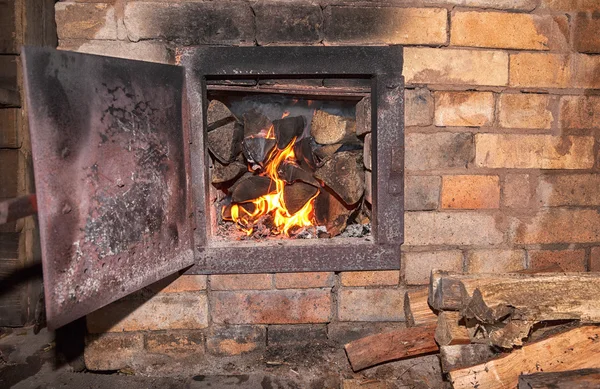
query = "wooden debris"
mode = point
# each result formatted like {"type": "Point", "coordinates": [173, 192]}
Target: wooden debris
{"type": "Point", "coordinates": [389, 346]}
{"type": "Point", "coordinates": [224, 142]}
{"type": "Point", "coordinates": [363, 116]}
{"type": "Point", "coordinates": [291, 173]}
{"type": "Point", "coordinates": [416, 308]}
{"type": "Point", "coordinates": [510, 335]}
{"type": "Point", "coordinates": [288, 129]}
{"type": "Point", "coordinates": [296, 195]}
{"type": "Point", "coordinates": [572, 379]}
{"type": "Point", "coordinates": [345, 175]}
{"type": "Point", "coordinates": [257, 149]}
{"type": "Point", "coordinates": [449, 332]}
{"type": "Point", "coordinates": [328, 129]}
{"type": "Point", "coordinates": [255, 122]}
{"type": "Point", "coordinates": [464, 355]}
{"type": "Point", "coordinates": [578, 348]}
{"type": "Point", "coordinates": [252, 188]}
{"type": "Point", "coordinates": [225, 173]}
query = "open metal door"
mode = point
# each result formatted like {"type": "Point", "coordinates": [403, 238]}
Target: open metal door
{"type": "Point", "coordinates": [110, 152]}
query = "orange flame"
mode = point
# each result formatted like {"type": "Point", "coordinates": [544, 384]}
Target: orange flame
{"type": "Point", "coordinates": [274, 202]}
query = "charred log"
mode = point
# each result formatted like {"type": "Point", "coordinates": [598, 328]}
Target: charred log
{"type": "Point", "coordinates": [252, 188]}
{"type": "Point", "coordinates": [218, 115]}
{"type": "Point", "coordinates": [224, 142]}
{"type": "Point", "coordinates": [255, 122]}
{"type": "Point", "coordinates": [291, 173]}
{"type": "Point", "coordinates": [225, 173]}
{"type": "Point", "coordinates": [295, 196]}
{"type": "Point", "coordinates": [257, 149]}
{"type": "Point", "coordinates": [304, 150]}
{"type": "Point", "coordinates": [287, 129]}
{"type": "Point", "coordinates": [331, 212]}
{"type": "Point", "coordinates": [345, 175]}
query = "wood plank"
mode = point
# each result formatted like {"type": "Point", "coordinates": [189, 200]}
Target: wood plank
{"type": "Point", "coordinates": [448, 330]}
{"type": "Point", "coordinates": [464, 355]}
{"type": "Point", "coordinates": [416, 308]}
{"type": "Point", "coordinates": [573, 379]}
{"type": "Point", "coordinates": [389, 346]}
{"type": "Point", "coordinates": [575, 349]}
{"type": "Point", "coordinates": [535, 297]}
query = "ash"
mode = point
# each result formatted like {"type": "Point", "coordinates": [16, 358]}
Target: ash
{"type": "Point", "coordinates": [357, 231]}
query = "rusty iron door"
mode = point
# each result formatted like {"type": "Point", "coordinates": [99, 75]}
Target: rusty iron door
{"type": "Point", "coordinates": [110, 152]}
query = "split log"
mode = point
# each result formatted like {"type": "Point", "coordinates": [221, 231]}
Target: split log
{"type": "Point", "coordinates": [218, 115]}
{"type": "Point", "coordinates": [288, 129]}
{"type": "Point", "coordinates": [328, 129]}
{"type": "Point", "coordinates": [510, 335]}
{"type": "Point", "coordinates": [331, 212]}
{"type": "Point", "coordinates": [449, 332]}
{"type": "Point", "coordinates": [225, 173]}
{"type": "Point", "coordinates": [575, 349]}
{"type": "Point", "coordinates": [324, 153]}
{"type": "Point", "coordinates": [252, 188]}
{"type": "Point", "coordinates": [367, 158]}
{"type": "Point", "coordinates": [255, 123]}
{"type": "Point", "coordinates": [345, 175]}
{"type": "Point", "coordinates": [304, 150]}
{"type": "Point", "coordinates": [375, 349]}
{"type": "Point", "coordinates": [573, 379]}
{"type": "Point", "coordinates": [225, 142]}
{"type": "Point", "coordinates": [416, 308]}
{"type": "Point", "coordinates": [291, 173]}
{"type": "Point", "coordinates": [257, 149]}
{"type": "Point", "coordinates": [295, 196]}
{"type": "Point", "coordinates": [464, 355]}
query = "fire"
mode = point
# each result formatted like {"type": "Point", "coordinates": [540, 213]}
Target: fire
{"type": "Point", "coordinates": [245, 215]}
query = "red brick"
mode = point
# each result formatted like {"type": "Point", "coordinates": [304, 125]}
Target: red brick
{"type": "Point", "coordinates": [559, 225]}
{"type": "Point", "coordinates": [362, 25]}
{"type": "Point", "coordinates": [580, 112]}
{"type": "Point", "coordinates": [175, 343]}
{"type": "Point", "coordinates": [85, 21]}
{"type": "Point", "coordinates": [452, 228]}
{"type": "Point", "coordinates": [469, 109]}
{"type": "Point", "coordinates": [371, 305]}
{"type": "Point", "coordinates": [526, 5]}
{"type": "Point", "coordinates": [525, 110]}
{"type": "Point", "coordinates": [421, 193]}
{"type": "Point", "coordinates": [162, 312]}
{"type": "Point", "coordinates": [595, 259]}
{"type": "Point", "coordinates": [470, 192]}
{"type": "Point", "coordinates": [540, 70]}
{"type": "Point", "coordinates": [235, 340]}
{"type": "Point", "coordinates": [113, 351]}
{"type": "Point", "coordinates": [345, 332]}
{"type": "Point", "coordinates": [418, 107]}
{"type": "Point", "coordinates": [518, 151]}
{"type": "Point", "coordinates": [586, 71]}
{"type": "Point", "coordinates": [176, 283]}
{"type": "Point", "coordinates": [569, 190]}
{"type": "Point", "coordinates": [418, 265]}
{"type": "Point", "coordinates": [455, 66]}
{"type": "Point", "coordinates": [438, 150]}
{"type": "Point", "coordinates": [509, 30]}
{"type": "Point", "coordinates": [271, 307]}
{"type": "Point", "coordinates": [371, 278]}
{"type": "Point", "coordinates": [570, 5]}
{"type": "Point", "coordinates": [241, 281]}
{"type": "Point", "coordinates": [495, 261]}
{"type": "Point", "coordinates": [517, 191]}
{"type": "Point", "coordinates": [303, 280]}
{"type": "Point", "coordinates": [586, 32]}
{"type": "Point", "coordinates": [568, 260]}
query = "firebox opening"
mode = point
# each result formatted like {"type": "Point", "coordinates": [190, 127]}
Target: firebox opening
{"type": "Point", "coordinates": [288, 166]}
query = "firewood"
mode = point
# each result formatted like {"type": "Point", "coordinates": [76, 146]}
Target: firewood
{"type": "Point", "coordinates": [345, 175]}
{"type": "Point", "coordinates": [449, 332]}
{"type": "Point", "coordinates": [295, 196]}
{"type": "Point", "coordinates": [578, 348]}
{"type": "Point", "coordinates": [252, 188]}
{"type": "Point", "coordinates": [304, 150]}
{"type": "Point", "coordinates": [218, 115]}
{"type": "Point", "coordinates": [288, 129]}
{"type": "Point", "coordinates": [367, 152]}
{"type": "Point", "coordinates": [331, 212]}
{"type": "Point", "coordinates": [510, 335]}
{"type": "Point", "coordinates": [464, 355]}
{"type": "Point", "coordinates": [257, 149]}
{"type": "Point", "coordinates": [572, 379]}
{"type": "Point", "coordinates": [389, 346]}
{"type": "Point", "coordinates": [225, 142]}
{"type": "Point", "coordinates": [225, 173]}
{"type": "Point", "coordinates": [255, 122]}
{"type": "Point", "coordinates": [291, 173]}
{"type": "Point", "coordinates": [363, 116]}
{"type": "Point", "coordinates": [328, 129]}
{"type": "Point", "coordinates": [416, 308]}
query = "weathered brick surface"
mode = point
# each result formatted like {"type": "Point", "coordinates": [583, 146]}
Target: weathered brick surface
{"type": "Point", "coordinates": [303, 280]}
{"type": "Point", "coordinates": [285, 335]}
{"type": "Point", "coordinates": [113, 351]}
{"type": "Point", "coordinates": [439, 150]}
{"type": "Point", "coordinates": [371, 305]}
{"type": "Point", "coordinates": [10, 123]}
{"type": "Point", "coordinates": [235, 340]}
{"type": "Point", "coordinates": [9, 173]}
{"type": "Point", "coordinates": [580, 112]}
{"type": "Point", "coordinates": [418, 265]}
{"type": "Point", "coordinates": [569, 190]}
{"type": "Point", "coordinates": [509, 30]}
{"type": "Point", "coordinates": [345, 332]}
{"type": "Point", "coordinates": [85, 21]}
{"type": "Point", "coordinates": [363, 25]}
{"type": "Point", "coordinates": [517, 191]}
{"type": "Point", "coordinates": [175, 342]}
{"type": "Point", "coordinates": [526, 5]}
{"type": "Point", "coordinates": [421, 193]}
{"type": "Point", "coordinates": [288, 23]}
{"type": "Point", "coordinates": [559, 225]}
{"type": "Point", "coordinates": [568, 260]}
{"type": "Point", "coordinates": [191, 23]}
{"type": "Point", "coordinates": [241, 281]}
{"type": "Point", "coordinates": [534, 151]}
{"type": "Point", "coordinates": [418, 107]}
{"type": "Point", "coordinates": [470, 192]}
{"type": "Point", "coordinates": [370, 278]}
{"type": "Point", "coordinates": [176, 283]}
{"type": "Point", "coordinates": [162, 312]}
{"type": "Point", "coordinates": [595, 259]}
{"type": "Point", "coordinates": [495, 261]}
{"type": "Point", "coordinates": [586, 71]}
{"type": "Point", "coordinates": [142, 51]}
{"type": "Point", "coordinates": [455, 66]}
{"type": "Point", "coordinates": [525, 110]}
{"type": "Point", "coordinates": [451, 228]}
{"type": "Point", "coordinates": [570, 5]}
{"type": "Point", "coordinates": [540, 70]}
{"type": "Point", "coordinates": [271, 307]}
{"type": "Point", "coordinates": [586, 32]}
{"type": "Point", "coordinates": [469, 109]}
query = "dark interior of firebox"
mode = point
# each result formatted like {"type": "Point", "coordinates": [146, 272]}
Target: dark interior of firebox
{"type": "Point", "coordinates": [288, 166]}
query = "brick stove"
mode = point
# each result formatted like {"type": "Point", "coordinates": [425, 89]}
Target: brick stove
{"type": "Point", "coordinates": [125, 166]}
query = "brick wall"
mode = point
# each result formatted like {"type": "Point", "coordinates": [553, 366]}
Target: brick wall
{"type": "Point", "coordinates": [502, 137]}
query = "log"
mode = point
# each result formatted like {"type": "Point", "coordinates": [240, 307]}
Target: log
{"type": "Point", "coordinates": [291, 173]}
{"type": "Point", "coordinates": [225, 142]}
{"type": "Point", "coordinates": [328, 129]}
{"type": "Point", "coordinates": [252, 188]}
{"type": "Point", "coordinates": [304, 152]}
{"type": "Point", "coordinates": [534, 297]}
{"type": "Point", "coordinates": [288, 129]}
{"type": "Point", "coordinates": [449, 332]}
{"type": "Point", "coordinates": [296, 196]}
{"type": "Point", "coordinates": [345, 175]}
{"type": "Point", "coordinates": [331, 212]}
{"type": "Point", "coordinates": [416, 308]}
{"type": "Point", "coordinates": [464, 355]}
{"type": "Point", "coordinates": [218, 115]}
{"type": "Point", "coordinates": [226, 173]}
{"type": "Point", "coordinates": [573, 379]}
{"type": "Point", "coordinates": [404, 343]}
{"type": "Point", "coordinates": [257, 150]}
{"type": "Point", "coordinates": [578, 348]}
{"type": "Point", "coordinates": [255, 123]}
